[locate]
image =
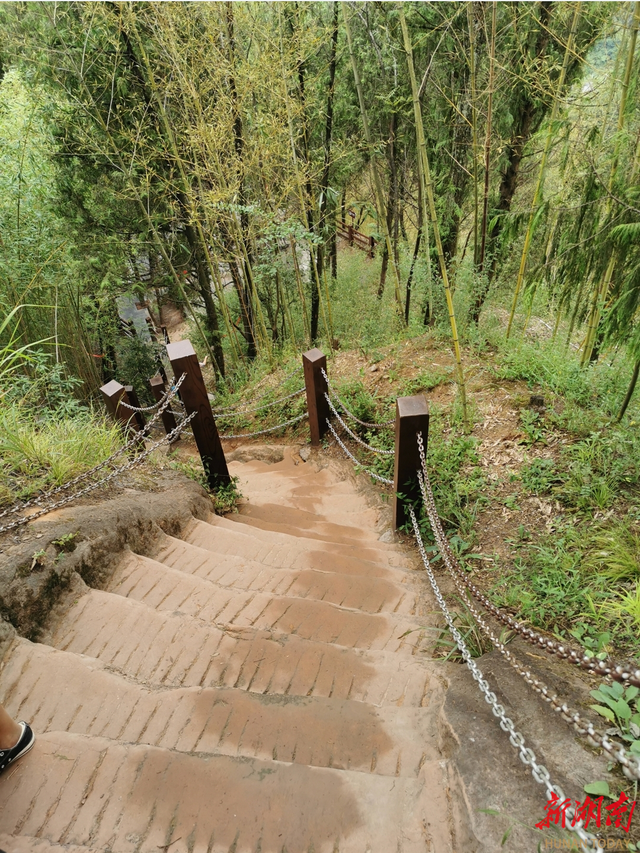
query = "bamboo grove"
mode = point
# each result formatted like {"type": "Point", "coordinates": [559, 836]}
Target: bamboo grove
{"type": "Point", "coordinates": [207, 151]}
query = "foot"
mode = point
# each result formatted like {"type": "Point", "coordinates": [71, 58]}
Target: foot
{"type": "Point", "coordinates": [24, 744]}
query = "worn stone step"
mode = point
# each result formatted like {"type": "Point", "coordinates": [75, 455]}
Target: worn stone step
{"type": "Point", "coordinates": [61, 691]}
{"type": "Point", "coordinates": [299, 522]}
{"type": "Point", "coordinates": [29, 844]}
{"type": "Point", "coordinates": [287, 552]}
{"type": "Point", "coordinates": [163, 588]}
{"type": "Point", "coordinates": [89, 791]}
{"type": "Point", "coordinates": [369, 594]}
{"type": "Point", "coordinates": [372, 551]}
{"type": "Point", "coordinates": [176, 650]}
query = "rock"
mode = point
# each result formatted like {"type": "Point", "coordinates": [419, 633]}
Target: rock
{"type": "Point", "coordinates": [536, 401]}
{"type": "Point", "coordinates": [305, 453]}
{"type": "Point", "coordinates": [373, 368]}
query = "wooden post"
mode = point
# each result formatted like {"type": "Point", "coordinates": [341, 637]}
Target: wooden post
{"type": "Point", "coordinates": [412, 417]}
{"type": "Point", "coordinates": [314, 361]}
{"type": "Point", "coordinates": [113, 394]}
{"type": "Point", "coordinates": [350, 232]}
{"type": "Point", "coordinates": [158, 389]}
{"type": "Point", "coordinates": [133, 399]}
{"type": "Point", "coordinates": [194, 396]}
{"type": "Point", "coordinates": [372, 247]}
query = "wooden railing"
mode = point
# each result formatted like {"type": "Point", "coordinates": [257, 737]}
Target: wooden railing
{"type": "Point", "coordinates": [356, 238]}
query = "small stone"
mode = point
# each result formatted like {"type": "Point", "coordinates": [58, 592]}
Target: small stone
{"type": "Point", "coordinates": [373, 368]}
{"type": "Point", "coordinates": [305, 453]}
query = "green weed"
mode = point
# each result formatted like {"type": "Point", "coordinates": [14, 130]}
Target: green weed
{"type": "Point", "coordinates": [539, 476]}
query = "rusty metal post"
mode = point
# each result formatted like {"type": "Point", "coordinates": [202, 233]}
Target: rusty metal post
{"type": "Point", "coordinates": [134, 401]}
{"type": "Point", "coordinates": [158, 389]}
{"type": "Point", "coordinates": [113, 393]}
{"type": "Point", "coordinates": [314, 361]}
{"type": "Point", "coordinates": [194, 397]}
{"type": "Point", "coordinates": [412, 417]}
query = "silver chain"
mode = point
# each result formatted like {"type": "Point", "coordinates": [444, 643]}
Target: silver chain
{"type": "Point", "coordinates": [353, 458]}
{"type": "Point", "coordinates": [268, 429]}
{"type": "Point", "coordinates": [353, 435]}
{"type": "Point", "coordinates": [350, 414]}
{"type": "Point", "coordinates": [262, 396]}
{"type": "Point", "coordinates": [237, 412]}
{"type": "Point", "coordinates": [516, 739]}
{"type": "Point", "coordinates": [86, 474]}
{"type": "Point", "coordinates": [167, 439]}
{"type": "Point", "coordinates": [617, 672]}
{"type": "Point", "coordinates": [630, 766]}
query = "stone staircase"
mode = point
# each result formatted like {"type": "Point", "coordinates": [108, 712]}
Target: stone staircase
{"type": "Point", "coordinates": [261, 683]}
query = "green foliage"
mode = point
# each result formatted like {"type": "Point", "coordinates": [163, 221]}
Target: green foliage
{"type": "Point", "coordinates": [36, 455]}
{"type": "Point", "coordinates": [473, 637]}
{"type": "Point", "coordinates": [621, 708]}
{"type": "Point", "coordinates": [539, 476]}
{"type": "Point", "coordinates": [137, 363]}
{"type": "Point", "coordinates": [226, 498]}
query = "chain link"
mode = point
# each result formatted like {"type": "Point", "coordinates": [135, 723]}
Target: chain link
{"type": "Point", "coordinates": [630, 765]}
{"type": "Point", "coordinates": [86, 474]}
{"type": "Point", "coordinates": [516, 739]}
{"type": "Point", "coordinates": [167, 439]}
{"type": "Point", "coordinates": [618, 672]}
{"type": "Point", "coordinates": [257, 408]}
{"type": "Point", "coordinates": [268, 429]}
{"type": "Point", "coordinates": [350, 414]}
{"type": "Point", "coordinates": [353, 435]}
{"type": "Point", "coordinates": [353, 458]}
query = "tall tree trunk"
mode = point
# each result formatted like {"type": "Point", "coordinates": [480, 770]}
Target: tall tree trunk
{"type": "Point", "coordinates": [424, 174]}
{"type": "Point", "coordinates": [376, 175]}
{"type": "Point", "coordinates": [326, 169]}
{"type": "Point", "coordinates": [543, 165]}
{"type": "Point", "coordinates": [204, 286]}
{"type": "Point", "coordinates": [526, 123]}
{"type": "Point", "coordinates": [238, 142]}
{"type": "Point", "coordinates": [416, 250]}
{"type": "Point", "coordinates": [630, 390]}
{"type": "Point", "coordinates": [391, 216]}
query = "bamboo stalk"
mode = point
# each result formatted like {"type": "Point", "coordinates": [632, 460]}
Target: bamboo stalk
{"type": "Point", "coordinates": [424, 174]}
{"type": "Point", "coordinates": [380, 205]}
{"type": "Point", "coordinates": [602, 290]}
{"type": "Point", "coordinates": [487, 141]}
{"type": "Point", "coordinates": [543, 165]}
{"type": "Point", "coordinates": [474, 126]}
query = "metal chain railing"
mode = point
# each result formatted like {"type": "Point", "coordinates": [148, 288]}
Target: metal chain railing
{"type": "Point", "coordinates": [268, 429]}
{"type": "Point", "coordinates": [616, 671]}
{"type": "Point", "coordinates": [237, 412]}
{"type": "Point", "coordinates": [262, 396]}
{"type": "Point", "coordinates": [353, 435]}
{"type": "Point", "coordinates": [353, 458]}
{"type": "Point", "coordinates": [86, 474]}
{"type": "Point", "coordinates": [516, 739]}
{"type": "Point", "coordinates": [630, 765]}
{"type": "Point", "coordinates": [350, 414]}
{"type": "Point", "coordinates": [167, 439]}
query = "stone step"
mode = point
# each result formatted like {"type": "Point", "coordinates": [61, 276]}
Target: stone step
{"type": "Point", "coordinates": [61, 691]}
{"type": "Point", "coordinates": [333, 508]}
{"type": "Point", "coordinates": [29, 844]}
{"type": "Point", "coordinates": [288, 552]}
{"type": "Point", "coordinates": [90, 791]}
{"type": "Point", "coordinates": [172, 649]}
{"type": "Point", "coordinates": [298, 522]}
{"type": "Point", "coordinates": [372, 551]}
{"type": "Point", "coordinates": [369, 594]}
{"type": "Point", "coordinates": [167, 589]}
